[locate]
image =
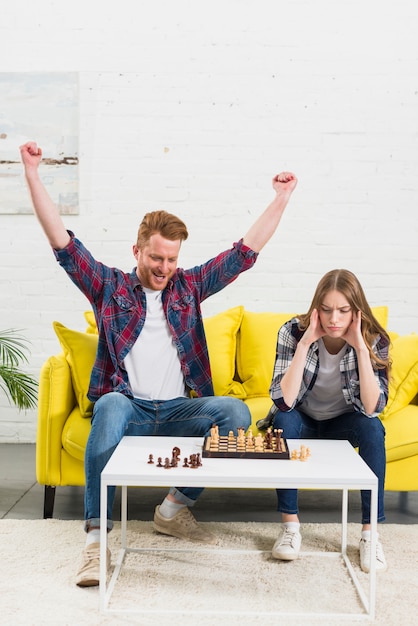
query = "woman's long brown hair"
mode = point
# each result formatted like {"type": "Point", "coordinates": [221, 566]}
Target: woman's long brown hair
{"type": "Point", "coordinates": [348, 284]}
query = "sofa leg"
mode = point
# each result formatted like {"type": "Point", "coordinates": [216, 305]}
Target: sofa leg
{"type": "Point", "coordinates": [49, 498]}
{"type": "Point", "coordinates": [403, 500]}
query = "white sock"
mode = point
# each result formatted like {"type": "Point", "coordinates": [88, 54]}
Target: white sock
{"type": "Point", "coordinates": [93, 536]}
{"type": "Point", "coordinates": [365, 534]}
{"type": "Point", "coordinates": [168, 509]}
{"type": "Point", "coordinates": [294, 527]}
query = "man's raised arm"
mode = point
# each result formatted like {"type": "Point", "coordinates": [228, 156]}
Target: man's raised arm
{"type": "Point", "coordinates": [264, 227]}
{"type": "Point", "coordinates": [44, 208]}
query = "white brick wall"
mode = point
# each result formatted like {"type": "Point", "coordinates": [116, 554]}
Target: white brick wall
{"type": "Point", "coordinates": [193, 107]}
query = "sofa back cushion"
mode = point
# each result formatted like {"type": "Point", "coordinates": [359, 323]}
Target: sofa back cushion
{"type": "Point", "coordinates": [80, 351]}
{"type": "Point", "coordinates": [256, 350]}
{"type": "Point", "coordinates": [221, 336]}
{"type": "Point", "coordinates": [403, 381]}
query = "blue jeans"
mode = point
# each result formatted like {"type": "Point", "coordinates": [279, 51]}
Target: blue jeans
{"type": "Point", "coordinates": [365, 433]}
{"type": "Point", "coordinates": [116, 415]}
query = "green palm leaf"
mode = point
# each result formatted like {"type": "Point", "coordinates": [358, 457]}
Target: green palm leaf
{"type": "Point", "coordinates": [19, 387]}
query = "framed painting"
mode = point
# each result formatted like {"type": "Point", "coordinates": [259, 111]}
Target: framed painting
{"type": "Point", "coordinates": [41, 107]}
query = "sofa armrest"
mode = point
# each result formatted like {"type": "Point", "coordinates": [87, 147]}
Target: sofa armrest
{"type": "Point", "coordinates": [56, 400]}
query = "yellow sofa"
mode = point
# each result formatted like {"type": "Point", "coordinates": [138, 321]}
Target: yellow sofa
{"type": "Point", "coordinates": [242, 351]}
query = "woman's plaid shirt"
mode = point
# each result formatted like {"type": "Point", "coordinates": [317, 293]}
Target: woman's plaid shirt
{"type": "Point", "coordinates": [289, 336]}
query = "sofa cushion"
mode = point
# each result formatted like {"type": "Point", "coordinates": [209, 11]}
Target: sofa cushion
{"type": "Point", "coordinates": [80, 351]}
{"type": "Point", "coordinates": [91, 322]}
{"type": "Point", "coordinates": [258, 406]}
{"type": "Point", "coordinates": [403, 382]}
{"type": "Point", "coordinates": [402, 434]}
{"type": "Point", "coordinates": [221, 336]}
{"type": "Point", "coordinates": [256, 350]}
{"type": "Point", "coordinates": [75, 434]}
{"type": "Point", "coordinates": [381, 313]}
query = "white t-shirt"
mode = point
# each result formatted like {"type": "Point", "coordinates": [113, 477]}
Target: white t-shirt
{"type": "Point", "coordinates": [326, 399]}
{"type": "Point", "coordinates": [153, 364]}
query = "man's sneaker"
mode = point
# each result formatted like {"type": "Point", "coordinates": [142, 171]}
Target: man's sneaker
{"type": "Point", "coordinates": [182, 525]}
{"type": "Point", "coordinates": [287, 546]}
{"type": "Point", "coordinates": [365, 552]}
{"type": "Point", "coordinates": [89, 573]}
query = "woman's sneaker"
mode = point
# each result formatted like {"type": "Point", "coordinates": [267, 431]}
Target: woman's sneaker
{"type": "Point", "coordinates": [287, 547]}
{"type": "Point", "coordinates": [365, 553]}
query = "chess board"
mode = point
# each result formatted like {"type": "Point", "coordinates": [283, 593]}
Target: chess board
{"type": "Point", "coordinates": [229, 448]}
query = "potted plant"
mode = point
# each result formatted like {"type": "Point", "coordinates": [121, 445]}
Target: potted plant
{"type": "Point", "coordinates": [19, 387]}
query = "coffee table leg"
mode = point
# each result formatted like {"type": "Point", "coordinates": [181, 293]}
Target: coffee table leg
{"type": "Point", "coordinates": [103, 544]}
{"type": "Point", "coordinates": [123, 514]}
{"type": "Point", "coordinates": [344, 521]}
{"type": "Point", "coordinates": [373, 542]}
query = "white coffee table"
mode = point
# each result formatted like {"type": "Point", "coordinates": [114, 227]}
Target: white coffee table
{"type": "Point", "coordinates": [332, 465]}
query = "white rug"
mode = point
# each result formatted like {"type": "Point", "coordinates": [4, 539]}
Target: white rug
{"type": "Point", "coordinates": [39, 559]}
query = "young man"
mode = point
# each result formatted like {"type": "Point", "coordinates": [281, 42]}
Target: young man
{"type": "Point", "coordinates": [152, 355]}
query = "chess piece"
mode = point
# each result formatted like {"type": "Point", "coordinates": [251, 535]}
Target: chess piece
{"type": "Point", "coordinates": [150, 459]}
{"type": "Point", "coordinates": [241, 440]}
{"type": "Point", "coordinates": [175, 457]}
{"type": "Point", "coordinates": [278, 433]}
{"type": "Point", "coordinates": [250, 440]}
{"type": "Point", "coordinates": [193, 461]}
{"type": "Point", "coordinates": [214, 433]}
{"type": "Point", "coordinates": [214, 437]}
{"type": "Point", "coordinates": [258, 443]}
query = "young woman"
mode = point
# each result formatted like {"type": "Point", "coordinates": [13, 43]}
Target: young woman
{"type": "Point", "coordinates": [330, 381]}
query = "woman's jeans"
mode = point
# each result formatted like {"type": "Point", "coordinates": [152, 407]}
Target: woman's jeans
{"type": "Point", "coordinates": [116, 415]}
{"type": "Point", "coordinates": [365, 433]}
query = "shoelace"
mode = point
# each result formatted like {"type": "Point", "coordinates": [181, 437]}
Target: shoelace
{"type": "Point", "coordinates": [288, 537]}
{"type": "Point", "coordinates": [187, 518]}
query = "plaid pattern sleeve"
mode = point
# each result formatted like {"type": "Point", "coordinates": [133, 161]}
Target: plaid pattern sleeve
{"type": "Point", "coordinates": [351, 388]}
{"type": "Point", "coordinates": [287, 341]}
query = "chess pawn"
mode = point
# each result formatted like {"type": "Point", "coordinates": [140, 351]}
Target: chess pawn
{"type": "Point", "coordinates": [250, 440]}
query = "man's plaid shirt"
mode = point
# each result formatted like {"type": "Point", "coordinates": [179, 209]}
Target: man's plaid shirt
{"type": "Point", "coordinates": [119, 305]}
{"type": "Point", "coordinates": [288, 337]}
